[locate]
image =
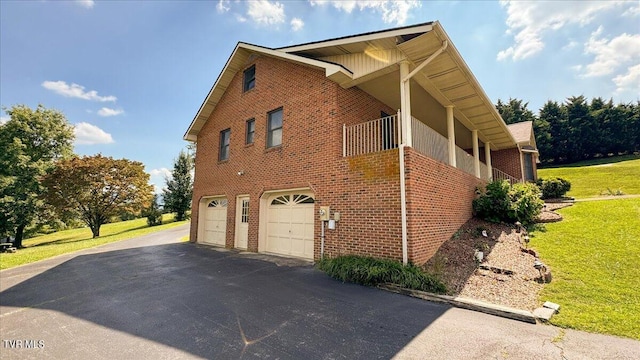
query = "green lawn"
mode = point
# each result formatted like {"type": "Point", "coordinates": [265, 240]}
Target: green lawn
{"type": "Point", "coordinates": [592, 178]}
{"type": "Point", "coordinates": [63, 242]}
{"type": "Point", "coordinates": [594, 253]}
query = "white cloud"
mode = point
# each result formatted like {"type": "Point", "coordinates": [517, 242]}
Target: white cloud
{"type": "Point", "coordinates": [86, 3]}
{"type": "Point", "coordinates": [105, 111]}
{"type": "Point", "coordinates": [159, 176]}
{"type": "Point", "coordinates": [4, 119]}
{"type": "Point", "coordinates": [264, 12]}
{"type": "Point", "coordinates": [296, 24]}
{"type": "Point", "coordinates": [531, 21]}
{"type": "Point", "coordinates": [612, 54]}
{"type": "Point", "coordinates": [166, 173]}
{"type": "Point", "coordinates": [632, 11]}
{"type": "Point", "coordinates": [392, 11]}
{"type": "Point", "coordinates": [75, 91]}
{"type": "Point", "coordinates": [241, 18]}
{"type": "Point", "coordinates": [572, 44]}
{"type": "Point", "coordinates": [223, 6]}
{"type": "Point", "coordinates": [87, 134]}
{"type": "Point", "coordinates": [629, 81]}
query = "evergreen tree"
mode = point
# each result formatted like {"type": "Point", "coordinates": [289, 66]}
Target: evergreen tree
{"type": "Point", "coordinates": [555, 116]}
{"type": "Point", "coordinates": [177, 195]}
{"type": "Point", "coordinates": [580, 128]}
{"type": "Point", "coordinates": [514, 111]}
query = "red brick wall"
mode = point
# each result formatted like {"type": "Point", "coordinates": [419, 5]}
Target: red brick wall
{"type": "Point", "coordinates": [439, 201]}
{"type": "Point", "coordinates": [365, 190]}
{"type": "Point", "coordinates": [507, 161]}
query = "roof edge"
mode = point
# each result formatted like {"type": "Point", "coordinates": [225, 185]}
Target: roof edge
{"type": "Point", "coordinates": [331, 69]}
{"type": "Point", "coordinates": [404, 30]}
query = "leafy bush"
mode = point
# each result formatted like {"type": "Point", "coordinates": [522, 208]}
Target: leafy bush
{"type": "Point", "coordinates": [371, 272]}
{"type": "Point", "coordinates": [525, 203]}
{"type": "Point", "coordinates": [493, 202]}
{"type": "Point", "coordinates": [553, 188]}
{"type": "Point", "coordinates": [501, 202]}
{"type": "Point", "coordinates": [153, 213]}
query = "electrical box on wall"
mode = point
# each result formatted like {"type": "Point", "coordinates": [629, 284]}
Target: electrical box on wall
{"type": "Point", "coordinates": [324, 213]}
{"type": "Point", "coordinates": [332, 224]}
{"type": "Point", "coordinates": [336, 216]}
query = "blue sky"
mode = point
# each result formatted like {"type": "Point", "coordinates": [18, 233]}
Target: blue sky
{"type": "Point", "coordinates": [131, 75]}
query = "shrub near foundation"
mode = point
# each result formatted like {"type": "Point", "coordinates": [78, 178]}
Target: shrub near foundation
{"type": "Point", "coordinates": [502, 202]}
{"type": "Point", "coordinates": [371, 272]}
{"type": "Point", "coordinates": [553, 187]}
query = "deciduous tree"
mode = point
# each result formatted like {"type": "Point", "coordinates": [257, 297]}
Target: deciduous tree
{"type": "Point", "coordinates": [97, 188]}
{"type": "Point", "coordinates": [30, 143]}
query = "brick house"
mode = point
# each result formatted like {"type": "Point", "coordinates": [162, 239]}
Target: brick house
{"type": "Point", "coordinates": [371, 144]}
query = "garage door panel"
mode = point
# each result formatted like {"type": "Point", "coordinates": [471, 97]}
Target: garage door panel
{"type": "Point", "coordinates": [215, 222]}
{"type": "Point", "coordinates": [290, 221]}
{"type": "Point", "coordinates": [299, 217]}
{"type": "Point", "coordinates": [297, 248]}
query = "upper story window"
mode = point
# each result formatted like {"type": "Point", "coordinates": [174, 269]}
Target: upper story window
{"type": "Point", "coordinates": [249, 80]}
{"type": "Point", "coordinates": [274, 128]}
{"type": "Point", "coordinates": [250, 132]}
{"type": "Point", "coordinates": [225, 136]}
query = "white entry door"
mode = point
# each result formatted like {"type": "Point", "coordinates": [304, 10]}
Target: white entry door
{"type": "Point", "coordinates": [242, 222]}
{"type": "Point", "coordinates": [290, 225]}
{"type": "Point", "coordinates": [215, 222]}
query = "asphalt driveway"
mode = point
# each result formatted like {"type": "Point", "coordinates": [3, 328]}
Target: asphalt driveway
{"type": "Point", "coordinates": [156, 298]}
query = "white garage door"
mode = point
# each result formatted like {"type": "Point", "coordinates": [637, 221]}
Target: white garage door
{"type": "Point", "coordinates": [215, 222]}
{"type": "Point", "coordinates": [290, 225]}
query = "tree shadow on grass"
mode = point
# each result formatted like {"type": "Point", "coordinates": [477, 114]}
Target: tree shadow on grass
{"type": "Point", "coordinates": [65, 240]}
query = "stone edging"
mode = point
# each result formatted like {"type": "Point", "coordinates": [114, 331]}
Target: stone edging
{"type": "Point", "coordinates": [465, 303]}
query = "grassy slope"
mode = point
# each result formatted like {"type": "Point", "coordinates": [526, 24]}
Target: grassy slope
{"type": "Point", "coordinates": [594, 255]}
{"type": "Point", "coordinates": [595, 251]}
{"type": "Point", "coordinates": [63, 242]}
{"type": "Point", "coordinates": [590, 179]}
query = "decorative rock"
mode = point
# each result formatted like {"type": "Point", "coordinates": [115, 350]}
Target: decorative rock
{"type": "Point", "coordinates": [496, 270]}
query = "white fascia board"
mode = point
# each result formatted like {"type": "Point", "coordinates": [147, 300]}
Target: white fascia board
{"type": "Point", "coordinates": [329, 67]}
{"type": "Point", "coordinates": [358, 38]}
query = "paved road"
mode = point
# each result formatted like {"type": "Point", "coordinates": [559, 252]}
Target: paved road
{"type": "Point", "coordinates": [155, 298]}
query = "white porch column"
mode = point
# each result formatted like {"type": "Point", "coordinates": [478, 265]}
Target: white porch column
{"type": "Point", "coordinates": [476, 153]}
{"type": "Point", "coordinates": [405, 103]}
{"type": "Point", "coordinates": [451, 135]}
{"type": "Point", "coordinates": [487, 159]}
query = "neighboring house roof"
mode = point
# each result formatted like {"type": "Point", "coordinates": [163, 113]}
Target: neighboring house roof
{"type": "Point", "coordinates": [523, 134]}
{"type": "Point", "coordinates": [371, 62]}
{"type": "Point", "coordinates": [521, 131]}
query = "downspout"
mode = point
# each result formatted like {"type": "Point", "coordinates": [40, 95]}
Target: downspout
{"type": "Point", "coordinates": [521, 156]}
{"type": "Point", "coordinates": [403, 206]}
{"type": "Point", "coordinates": [401, 146]}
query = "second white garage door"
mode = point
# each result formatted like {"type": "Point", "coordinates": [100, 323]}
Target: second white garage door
{"type": "Point", "coordinates": [215, 222]}
{"type": "Point", "coordinates": [290, 225]}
